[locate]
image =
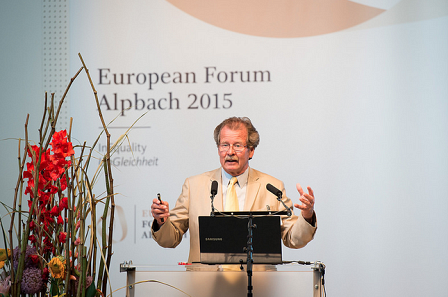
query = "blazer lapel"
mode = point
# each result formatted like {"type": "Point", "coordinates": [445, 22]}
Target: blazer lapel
{"type": "Point", "coordinates": [253, 186]}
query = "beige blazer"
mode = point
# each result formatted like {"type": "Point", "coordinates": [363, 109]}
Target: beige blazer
{"type": "Point", "coordinates": [195, 201]}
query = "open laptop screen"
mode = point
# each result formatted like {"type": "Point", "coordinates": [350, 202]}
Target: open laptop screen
{"type": "Point", "coordinates": [223, 239]}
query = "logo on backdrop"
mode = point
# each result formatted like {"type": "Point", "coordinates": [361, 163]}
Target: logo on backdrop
{"type": "Point", "coordinates": [120, 225]}
{"type": "Point", "coordinates": [281, 18]}
{"type": "Point", "coordinates": [301, 18]}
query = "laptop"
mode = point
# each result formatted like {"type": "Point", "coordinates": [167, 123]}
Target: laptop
{"type": "Point", "coordinates": [223, 239]}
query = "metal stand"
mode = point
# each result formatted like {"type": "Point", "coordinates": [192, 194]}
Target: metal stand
{"type": "Point", "coordinates": [129, 268]}
{"type": "Point", "coordinates": [319, 278]}
{"type": "Point", "coordinates": [250, 260]}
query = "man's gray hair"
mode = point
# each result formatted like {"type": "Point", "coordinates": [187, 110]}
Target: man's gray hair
{"type": "Point", "coordinates": [236, 123]}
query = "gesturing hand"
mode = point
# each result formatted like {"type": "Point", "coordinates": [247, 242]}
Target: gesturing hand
{"type": "Point", "coordinates": [307, 200]}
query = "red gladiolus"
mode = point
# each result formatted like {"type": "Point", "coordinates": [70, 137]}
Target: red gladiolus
{"type": "Point", "coordinates": [54, 211]}
{"type": "Point", "coordinates": [63, 182]}
{"type": "Point", "coordinates": [46, 218]}
{"type": "Point", "coordinates": [48, 246]}
{"type": "Point", "coordinates": [63, 204]}
{"type": "Point", "coordinates": [44, 199]}
{"type": "Point", "coordinates": [32, 238]}
{"type": "Point", "coordinates": [46, 172]}
{"type": "Point", "coordinates": [62, 236]}
{"type": "Point", "coordinates": [60, 144]}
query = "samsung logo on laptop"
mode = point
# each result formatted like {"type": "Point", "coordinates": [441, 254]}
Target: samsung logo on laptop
{"type": "Point", "coordinates": [213, 239]}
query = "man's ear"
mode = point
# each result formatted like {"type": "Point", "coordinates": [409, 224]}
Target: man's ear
{"type": "Point", "coordinates": [251, 154]}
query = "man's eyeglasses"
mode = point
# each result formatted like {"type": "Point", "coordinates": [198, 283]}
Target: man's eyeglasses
{"type": "Point", "coordinates": [237, 147]}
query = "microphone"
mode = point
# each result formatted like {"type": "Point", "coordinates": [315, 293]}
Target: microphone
{"type": "Point", "coordinates": [274, 190]}
{"type": "Point", "coordinates": [213, 192]}
{"type": "Point", "coordinates": [279, 194]}
{"type": "Point", "coordinates": [214, 189]}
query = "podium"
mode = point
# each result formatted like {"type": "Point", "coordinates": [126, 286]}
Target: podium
{"type": "Point", "coordinates": [288, 280]}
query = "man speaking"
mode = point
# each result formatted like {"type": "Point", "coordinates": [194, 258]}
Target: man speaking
{"type": "Point", "coordinates": [240, 188]}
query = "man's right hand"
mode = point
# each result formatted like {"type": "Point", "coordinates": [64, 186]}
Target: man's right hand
{"type": "Point", "coordinates": [160, 210]}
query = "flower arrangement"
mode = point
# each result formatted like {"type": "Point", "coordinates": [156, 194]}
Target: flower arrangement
{"type": "Point", "coordinates": [51, 246]}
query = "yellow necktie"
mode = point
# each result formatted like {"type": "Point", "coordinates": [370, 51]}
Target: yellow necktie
{"type": "Point", "coordinates": [231, 198]}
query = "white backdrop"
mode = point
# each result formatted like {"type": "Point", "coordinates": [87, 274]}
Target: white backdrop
{"type": "Point", "coordinates": [358, 114]}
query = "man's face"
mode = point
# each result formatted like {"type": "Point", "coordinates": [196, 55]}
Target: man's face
{"type": "Point", "coordinates": [235, 163]}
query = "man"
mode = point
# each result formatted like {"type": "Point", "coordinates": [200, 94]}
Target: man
{"type": "Point", "coordinates": [236, 139]}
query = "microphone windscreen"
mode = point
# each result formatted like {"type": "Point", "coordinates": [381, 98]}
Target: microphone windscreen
{"type": "Point", "coordinates": [214, 188]}
{"type": "Point", "coordinates": [273, 190]}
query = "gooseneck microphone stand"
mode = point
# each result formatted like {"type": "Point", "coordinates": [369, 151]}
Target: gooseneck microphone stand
{"type": "Point", "coordinates": [279, 194]}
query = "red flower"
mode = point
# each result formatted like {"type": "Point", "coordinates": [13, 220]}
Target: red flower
{"type": "Point", "coordinates": [54, 211]}
{"type": "Point", "coordinates": [61, 145]}
{"type": "Point", "coordinates": [48, 246]}
{"type": "Point", "coordinates": [29, 172]}
{"type": "Point", "coordinates": [46, 172]}
{"type": "Point", "coordinates": [32, 238]}
{"type": "Point", "coordinates": [63, 182]}
{"type": "Point", "coordinates": [34, 259]}
{"type": "Point", "coordinates": [59, 137]}
{"type": "Point", "coordinates": [63, 204]}
{"type": "Point", "coordinates": [62, 236]}
{"type": "Point", "coordinates": [36, 150]}
{"type": "Point", "coordinates": [57, 167]}
{"type": "Point", "coordinates": [46, 219]}
{"type": "Point", "coordinates": [44, 198]}
{"type": "Point", "coordinates": [45, 274]}
{"type": "Point", "coordinates": [30, 203]}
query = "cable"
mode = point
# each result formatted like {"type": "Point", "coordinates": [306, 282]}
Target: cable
{"type": "Point", "coordinates": [150, 281]}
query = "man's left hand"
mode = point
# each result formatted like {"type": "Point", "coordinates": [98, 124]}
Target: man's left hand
{"type": "Point", "coordinates": [307, 200]}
